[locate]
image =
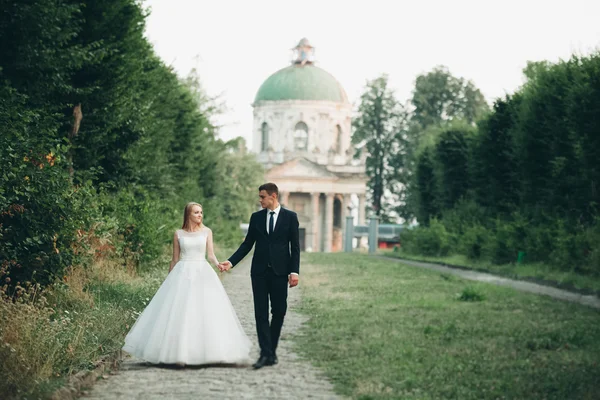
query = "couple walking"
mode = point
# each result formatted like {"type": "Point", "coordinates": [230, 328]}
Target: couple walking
{"type": "Point", "coordinates": [190, 319]}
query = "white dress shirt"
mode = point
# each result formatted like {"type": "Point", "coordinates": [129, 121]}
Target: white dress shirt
{"type": "Point", "coordinates": [277, 210]}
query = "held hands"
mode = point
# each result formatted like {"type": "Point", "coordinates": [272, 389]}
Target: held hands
{"type": "Point", "coordinates": [224, 266]}
{"type": "Point", "coordinates": [293, 279]}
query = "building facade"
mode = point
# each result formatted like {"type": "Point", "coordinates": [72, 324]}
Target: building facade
{"type": "Point", "coordinates": [302, 136]}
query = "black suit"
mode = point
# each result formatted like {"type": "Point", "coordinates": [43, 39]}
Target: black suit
{"type": "Point", "coordinates": [276, 256]}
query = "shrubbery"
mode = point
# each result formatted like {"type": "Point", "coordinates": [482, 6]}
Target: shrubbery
{"type": "Point", "coordinates": [145, 145]}
{"type": "Point", "coordinates": [525, 181]}
{"type": "Point", "coordinates": [575, 249]}
{"type": "Point", "coordinates": [40, 209]}
{"type": "Point", "coordinates": [432, 240]}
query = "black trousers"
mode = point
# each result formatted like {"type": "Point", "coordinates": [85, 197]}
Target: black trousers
{"type": "Point", "coordinates": [265, 287]}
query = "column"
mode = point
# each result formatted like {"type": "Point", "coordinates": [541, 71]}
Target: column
{"type": "Point", "coordinates": [315, 221]}
{"type": "Point", "coordinates": [362, 208]}
{"type": "Point", "coordinates": [373, 233]}
{"type": "Point", "coordinates": [362, 213]}
{"type": "Point", "coordinates": [349, 234]}
{"type": "Point", "coordinates": [345, 212]}
{"type": "Point", "coordinates": [328, 221]}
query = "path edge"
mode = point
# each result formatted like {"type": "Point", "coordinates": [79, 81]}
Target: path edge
{"type": "Point", "coordinates": [83, 380]}
{"type": "Point", "coordinates": [540, 281]}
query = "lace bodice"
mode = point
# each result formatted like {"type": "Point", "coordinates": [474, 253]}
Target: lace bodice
{"type": "Point", "coordinates": [195, 246]}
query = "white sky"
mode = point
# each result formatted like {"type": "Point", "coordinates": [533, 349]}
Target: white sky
{"type": "Point", "coordinates": [236, 45]}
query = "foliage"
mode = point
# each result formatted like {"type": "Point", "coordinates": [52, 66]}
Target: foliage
{"type": "Point", "coordinates": [494, 164]}
{"type": "Point", "coordinates": [474, 242]}
{"type": "Point", "coordinates": [471, 293]}
{"type": "Point", "coordinates": [439, 96]}
{"type": "Point", "coordinates": [428, 203]}
{"type": "Point", "coordinates": [440, 103]}
{"type": "Point", "coordinates": [144, 224]}
{"type": "Point", "coordinates": [40, 210]}
{"type": "Point", "coordinates": [379, 131]}
{"type": "Point", "coordinates": [527, 172]}
{"type": "Point", "coordinates": [49, 333]}
{"type": "Point", "coordinates": [432, 240]}
{"type": "Point", "coordinates": [233, 202]}
{"type": "Point", "coordinates": [452, 162]}
{"type": "Point", "coordinates": [145, 145]}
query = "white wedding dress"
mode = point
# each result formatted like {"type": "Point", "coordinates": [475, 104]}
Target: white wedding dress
{"type": "Point", "coordinates": [190, 319]}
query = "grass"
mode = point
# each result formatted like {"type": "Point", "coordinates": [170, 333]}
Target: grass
{"type": "Point", "coordinates": [538, 272]}
{"type": "Point", "coordinates": [383, 330]}
{"type": "Point", "coordinates": [471, 293]}
{"type": "Point", "coordinates": [49, 334]}
{"type": "Point", "coordinates": [67, 327]}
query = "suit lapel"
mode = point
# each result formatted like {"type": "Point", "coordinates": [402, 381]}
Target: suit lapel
{"type": "Point", "coordinates": [279, 221]}
{"type": "Point", "coordinates": [262, 222]}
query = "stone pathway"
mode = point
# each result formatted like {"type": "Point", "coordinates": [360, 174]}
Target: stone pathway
{"type": "Point", "coordinates": [292, 378]}
{"type": "Point", "coordinates": [587, 300]}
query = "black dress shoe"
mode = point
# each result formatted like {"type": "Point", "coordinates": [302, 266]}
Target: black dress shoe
{"type": "Point", "coordinates": [263, 362]}
{"type": "Point", "coordinates": [275, 360]}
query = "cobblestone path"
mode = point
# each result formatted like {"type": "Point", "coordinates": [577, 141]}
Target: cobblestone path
{"type": "Point", "coordinates": [292, 378]}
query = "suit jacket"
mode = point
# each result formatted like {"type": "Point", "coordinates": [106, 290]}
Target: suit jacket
{"type": "Point", "coordinates": [281, 249]}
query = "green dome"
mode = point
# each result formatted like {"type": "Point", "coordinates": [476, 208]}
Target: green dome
{"type": "Point", "coordinates": [301, 82]}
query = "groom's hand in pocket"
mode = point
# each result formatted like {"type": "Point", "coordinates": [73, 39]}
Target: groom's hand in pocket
{"type": "Point", "coordinates": [293, 280]}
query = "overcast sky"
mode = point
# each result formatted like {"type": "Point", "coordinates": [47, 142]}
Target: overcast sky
{"type": "Point", "coordinates": [236, 45]}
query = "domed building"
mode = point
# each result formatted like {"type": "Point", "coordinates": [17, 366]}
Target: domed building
{"type": "Point", "coordinates": [302, 136]}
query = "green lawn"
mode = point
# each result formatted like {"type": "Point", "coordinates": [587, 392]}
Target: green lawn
{"type": "Point", "coordinates": [383, 330]}
{"type": "Point", "coordinates": [530, 271]}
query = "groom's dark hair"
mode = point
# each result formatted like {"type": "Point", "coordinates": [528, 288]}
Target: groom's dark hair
{"type": "Point", "coordinates": [270, 188]}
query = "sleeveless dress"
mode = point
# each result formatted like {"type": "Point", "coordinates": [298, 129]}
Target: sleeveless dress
{"type": "Point", "coordinates": [190, 319]}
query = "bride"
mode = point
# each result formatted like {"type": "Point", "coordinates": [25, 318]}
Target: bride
{"type": "Point", "coordinates": [190, 319]}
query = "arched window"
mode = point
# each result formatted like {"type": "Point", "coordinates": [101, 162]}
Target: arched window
{"type": "Point", "coordinates": [264, 141]}
{"type": "Point", "coordinates": [301, 136]}
{"type": "Point", "coordinates": [338, 140]}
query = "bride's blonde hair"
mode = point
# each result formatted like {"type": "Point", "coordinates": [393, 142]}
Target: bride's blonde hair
{"type": "Point", "coordinates": [186, 215]}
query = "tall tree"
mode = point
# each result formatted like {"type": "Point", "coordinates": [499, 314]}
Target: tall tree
{"type": "Point", "coordinates": [146, 142]}
{"type": "Point", "coordinates": [452, 157]}
{"type": "Point", "coordinates": [439, 96]}
{"type": "Point", "coordinates": [380, 133]}
{"type": "Point", "coordinates": [440, 102]}
{"type": "Point", "coordinates": [119, 87]}
{"type": "Point", "coordinates": [426, 187]}
{"type": "Point", "coordinates": [494, 163]}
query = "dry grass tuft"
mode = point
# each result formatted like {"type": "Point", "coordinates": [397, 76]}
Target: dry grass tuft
{"type": "Point", "coordinates": [46, 334]}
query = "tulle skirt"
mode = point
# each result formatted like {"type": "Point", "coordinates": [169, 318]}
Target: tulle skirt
{"type": "Point", "coordinates": [189, 320]}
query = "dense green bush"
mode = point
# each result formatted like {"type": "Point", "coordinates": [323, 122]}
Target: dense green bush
{"type": "Point", "coordinates": [143, 225]}
{"type": "Point", "coordinates": [576, 249]}
{"type": "Point", "coordinates": [461, 218]}
{"type": "Point", "coordinates": [503, 248]}
{"type": "Point", "coordinates": [592, 253]}
{"type": "Point", "coordinates": [474, 242]}
{"type": "Point", "coordinates": [144, 147]}
{"type": "Point", "coordinates": [432, 240]}
{"type": "Point", "coordinates": [40, 210]}
{"type": "Point", "coordinates": [526, 181]}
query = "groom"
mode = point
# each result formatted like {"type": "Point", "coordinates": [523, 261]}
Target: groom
{"type": "Point", "coordinates": [275, 265]}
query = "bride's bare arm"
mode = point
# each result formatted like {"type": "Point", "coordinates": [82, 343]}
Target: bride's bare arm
{"type": "Point", "coordinates": [175, 257]}
{"type": "Point", "coordinates": [210, 250]}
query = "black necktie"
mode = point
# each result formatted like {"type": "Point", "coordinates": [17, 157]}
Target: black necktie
{"type": "Point", "coordinates": [271, 220]}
